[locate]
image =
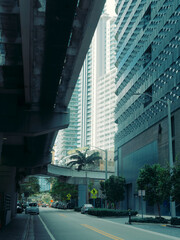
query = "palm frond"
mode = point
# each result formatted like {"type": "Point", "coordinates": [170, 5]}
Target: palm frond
{"type": "Point", "coordinates": [72, 163]}
{"type": "Point", "coordinates": [75, 157]}
{"type": "Point", "coordinates": [78, 155]}
{"type": "Point", "coordinates": [93, 158]}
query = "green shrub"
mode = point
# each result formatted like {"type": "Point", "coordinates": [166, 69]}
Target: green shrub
{"type": "Point", "coordinates": [103, 212]}
{"type": "Point", "coordinates": [150, 220]}
{"type": "Point", "coordinates": [175, 221]}
{"type": "Point", "coordinates": [77, 209]}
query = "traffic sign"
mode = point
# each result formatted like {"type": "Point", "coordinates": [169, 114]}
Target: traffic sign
{"type": "Point", "coordinates": [94, 191]}
{"type": "Point", "coordinates": [68, 196]}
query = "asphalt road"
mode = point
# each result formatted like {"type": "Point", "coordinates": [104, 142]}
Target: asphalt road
{"type": "Point", "coordinates": [55, 224]}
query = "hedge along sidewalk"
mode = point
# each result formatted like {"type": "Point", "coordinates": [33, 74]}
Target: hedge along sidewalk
{"type": "Point", "coordinates": [150, 220]}
{"type": "Point", "coordinates": [103, 212]}
{"type": "Point", "coordinates": [170, 222]}
{"type": "Point", "coordinates": [175, 222]}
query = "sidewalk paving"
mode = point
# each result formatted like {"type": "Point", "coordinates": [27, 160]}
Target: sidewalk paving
{"type": "Point", "coordinates": [166, 217]}
{"type": "Point", "coordinates": [16, 229]}
{"type": "Point", "coordinates": [125, 220]}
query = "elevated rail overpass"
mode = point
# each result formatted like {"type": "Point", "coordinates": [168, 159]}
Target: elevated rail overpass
{"type": "Point", "coordinates": [43, 44]}
{"type": "Point", "coordinates": [81, 178]}
{"type": "Point", "coordinates": [72, 176]}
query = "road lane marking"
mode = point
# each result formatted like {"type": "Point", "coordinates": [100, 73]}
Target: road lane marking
{"type": "Point", "coordinates": [62, 215]}
{"type": "Point", "coordinates": [143, 230]}
{"type": "Point", "coordinates": [51, 236]}
{"type": "Point", "coordinates": [102, 232]}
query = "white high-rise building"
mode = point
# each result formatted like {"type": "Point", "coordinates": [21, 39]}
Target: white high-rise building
{"type": "Point", "coordinates": [98, 88]}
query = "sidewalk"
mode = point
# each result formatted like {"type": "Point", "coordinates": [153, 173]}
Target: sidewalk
{"type": "Point", "coordinates": [17, 229]}
{"type": "Point", "coordinates": [125, 220]}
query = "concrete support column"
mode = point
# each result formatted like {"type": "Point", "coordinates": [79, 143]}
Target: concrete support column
{"type": "Point", "coordinates": [1, 142]}
{"type": "Point", "coordinates": [81, 194]}
{"type": "Point", "coordinates": [8, 196]}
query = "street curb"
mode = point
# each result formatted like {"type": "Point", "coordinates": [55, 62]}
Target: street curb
{"type": "Point", "coordinates": [139, 223]}
{"type": "Point", "coordinates": [173, 226]}
{"type": "Point", "coordinates": [26, 230]}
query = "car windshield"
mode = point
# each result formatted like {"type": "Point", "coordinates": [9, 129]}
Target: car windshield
{"type": "Point", "coordinates": [88, 205]}
{"type": "Point", "coordinates": [33, 204]}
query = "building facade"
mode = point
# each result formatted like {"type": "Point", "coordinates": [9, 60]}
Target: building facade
{"type": "Point", "coordinates": [148, 75]}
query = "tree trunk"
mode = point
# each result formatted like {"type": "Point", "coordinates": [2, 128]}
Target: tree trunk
{"type": "Point", "coordinates": [159, 210]}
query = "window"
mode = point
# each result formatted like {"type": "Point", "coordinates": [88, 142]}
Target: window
{"type": "Point", "coordinates": [147, 17]}
{"type": "Point", "coordinates": [147, 56]}
{"type": "Point", "coordinates": [148, 96]}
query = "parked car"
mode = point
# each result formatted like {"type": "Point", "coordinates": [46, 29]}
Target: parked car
{"type": "Point", "coordinates": [70, 205]}
{"type": "Point", "coordinates": [44, 205]}
{"type": "Point", "coordinates": [19, 208]}
{"type": "Point", "coordinates": [24, 205]}
{"type": "Point", "coordinates": [86, 207]}
{"type": "Point", "coordinates": [54, 205]}
{"type": "Point", "coordinates": [32, 208]}
{"type": "Point", "coordinates": [61, 205]}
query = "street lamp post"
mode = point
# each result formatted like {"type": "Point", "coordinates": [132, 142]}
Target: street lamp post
{"type": "Point", "coordinates": [105, 164]}
{"type": "Point", "coordinates": [172, 204]}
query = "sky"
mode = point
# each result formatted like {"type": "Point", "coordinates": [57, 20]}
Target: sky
{"type": "Point", "coordinates": [111, 6]}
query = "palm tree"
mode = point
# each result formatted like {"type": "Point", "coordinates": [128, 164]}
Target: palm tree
{"type": "Point", "coordinates": [82, 160]}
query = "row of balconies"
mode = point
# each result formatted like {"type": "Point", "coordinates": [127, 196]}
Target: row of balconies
{"type": "Point", "coordinates": [152, 111]}
{"type": "Point", "coordinates": [165, 78]}
{"type": "Point", "coordinates": [163, 59]}
{"type": "Point", "coordinates": [122, 101]}
{"type": "Point", "coordinates": [150, 29]}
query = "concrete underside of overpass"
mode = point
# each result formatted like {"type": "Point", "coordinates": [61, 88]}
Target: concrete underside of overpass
{"type": "Point", "coordinates": [43, 46]}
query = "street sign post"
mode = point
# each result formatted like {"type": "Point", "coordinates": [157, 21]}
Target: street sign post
{"type": "Point", "coordinates": [68, 196]}
{"type": "Point", "coordinates": [94, 195]}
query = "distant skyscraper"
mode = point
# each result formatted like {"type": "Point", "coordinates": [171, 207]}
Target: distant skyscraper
{"type": "Point", "coordinates": [98, 87]}
{"type": "Point", "coordinates": [148, 62]}
{"type": "Point", "coordinates": [93, 101]}
{"type": "Point", "coordinates": [67, 139]}
{"type": "Point", "coordinates": [44, 184]}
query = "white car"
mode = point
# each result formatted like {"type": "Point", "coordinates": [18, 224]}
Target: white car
{"type": "Point", "coordinates": [86, 207]}
{"type": "Point", "coordinates": [32, 208]}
